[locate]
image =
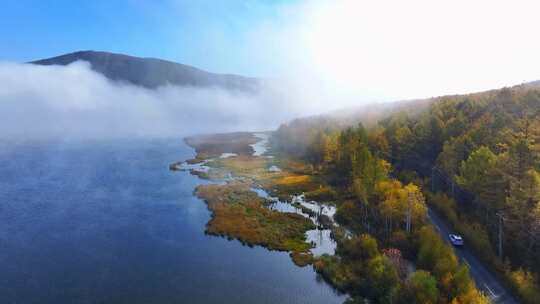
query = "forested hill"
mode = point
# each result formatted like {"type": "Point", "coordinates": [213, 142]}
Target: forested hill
{"type": "Point", "coordinates": [418, 129]}
{"type": "Point", "coordinates": [152, 72]}
{"type": "Point", "coordinates": [485, 149]}
{"type": "Point", "coordinates": [371, 115]}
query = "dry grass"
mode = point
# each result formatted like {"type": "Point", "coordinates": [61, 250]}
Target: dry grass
{"type": "Point", "coordinates": [295, 166]}
{"type": "Point", "coordinates": [238, 212]}
{"type": "Point", "coordinates": [282, 184]}
{"type": "Point", "coordinates": [245, 166]}
{"type": "Point", "coordinates": [301, 259]}
{"type": "Point", "coordinates": [322, 194]}
{"type": "Point", "coordinates": [293, 180]}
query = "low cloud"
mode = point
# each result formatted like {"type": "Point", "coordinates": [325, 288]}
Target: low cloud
{"type": "Point", "coordinates": [42, 102]}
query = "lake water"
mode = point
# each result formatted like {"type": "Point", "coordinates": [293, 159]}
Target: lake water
{"type": "Point", "coordinates": [107, 222]}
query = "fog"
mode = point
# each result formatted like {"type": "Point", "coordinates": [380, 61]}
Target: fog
{"type": "Point", "coordinates": [329, 55]}
{"type": "Point", "coordinates": [74, 102]}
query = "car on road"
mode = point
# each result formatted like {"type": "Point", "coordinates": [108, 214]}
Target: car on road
{"type": "Point", "coordinates": [455, 239]}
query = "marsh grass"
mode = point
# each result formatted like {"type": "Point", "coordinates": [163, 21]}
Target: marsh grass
{"type": "Point", "coordinates": [239, 213]}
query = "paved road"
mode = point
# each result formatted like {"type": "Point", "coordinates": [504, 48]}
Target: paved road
{"type": "Point", "coordinates": [484, 279]}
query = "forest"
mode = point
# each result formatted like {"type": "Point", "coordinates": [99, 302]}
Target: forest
{"type": "Point", "coordinates": [474, 159]}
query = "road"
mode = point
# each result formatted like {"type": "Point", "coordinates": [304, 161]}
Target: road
{"type": "Point", "coordinates": [484, 279]}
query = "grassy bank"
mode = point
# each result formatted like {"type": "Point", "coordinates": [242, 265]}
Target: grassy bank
{"type": "Point", "coordinates": [239, 213]}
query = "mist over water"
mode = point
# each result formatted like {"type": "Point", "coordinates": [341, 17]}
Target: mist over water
{"type": "Point", "coordinates": [90, 213]}
{"type": "Point", "coordinates": [74, 102]}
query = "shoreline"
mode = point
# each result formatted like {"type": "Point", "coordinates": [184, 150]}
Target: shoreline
{"type": "Point", "coordinates": [248, 186]}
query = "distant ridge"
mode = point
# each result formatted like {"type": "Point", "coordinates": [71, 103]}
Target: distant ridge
{"type": "Point", "coordinates": [151, 72]}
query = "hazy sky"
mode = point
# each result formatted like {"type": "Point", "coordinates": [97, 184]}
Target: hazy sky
{"type": "Point", "coordinates": [361, 50]}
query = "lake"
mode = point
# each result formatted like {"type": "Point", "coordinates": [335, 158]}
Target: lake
{"type": "Point", "coordinates": [107, 222]}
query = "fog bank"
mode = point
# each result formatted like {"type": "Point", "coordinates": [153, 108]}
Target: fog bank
{"type": "Point", "coordinates": [74, 102]}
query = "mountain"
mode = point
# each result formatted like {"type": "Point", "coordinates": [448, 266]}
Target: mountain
{"type": "Point", "coordinates": [151, 72]}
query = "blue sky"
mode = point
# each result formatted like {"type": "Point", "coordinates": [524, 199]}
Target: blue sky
{"type": "Point", "coordinates": [204, 33]}
{"type": "Point", "coordinates": [363, 50]}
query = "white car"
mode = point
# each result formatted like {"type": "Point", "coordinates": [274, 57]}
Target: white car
{"type": "Point", "coordinates": [456, 240]}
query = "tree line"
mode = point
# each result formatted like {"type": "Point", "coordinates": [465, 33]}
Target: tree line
{"type": "Point", "coordinates": [382, 211]}
{"type": "Point", "coordinates": [487, 144]}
